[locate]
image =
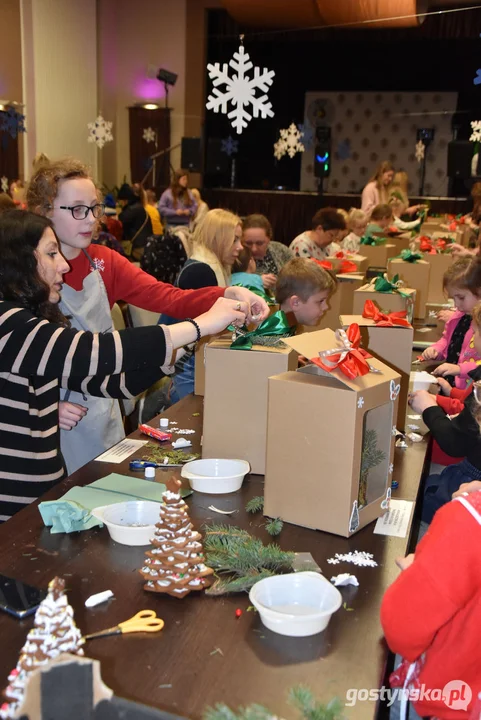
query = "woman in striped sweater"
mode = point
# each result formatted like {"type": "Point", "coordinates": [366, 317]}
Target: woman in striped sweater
{"type": "Point", "coordinates": [39, 353]}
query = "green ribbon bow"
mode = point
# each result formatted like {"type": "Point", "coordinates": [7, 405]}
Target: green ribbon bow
{"type": "Point", "coordinates": [383, 285]}
{"type": "Point", "coordinates": [276, 324]}
{"type": "Point", "coordinates": [410, 256]}
{"type": "Point", "coordinates": [372, 240]}
{"type": "Point", "coordinates": [269, 300]}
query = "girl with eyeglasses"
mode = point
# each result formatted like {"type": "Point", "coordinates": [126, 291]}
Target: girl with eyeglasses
{"type": "Point", "coordinates": [64, 192]}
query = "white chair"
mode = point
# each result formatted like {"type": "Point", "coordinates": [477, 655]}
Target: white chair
{"type": "Point", "coordinates": [141, 318]}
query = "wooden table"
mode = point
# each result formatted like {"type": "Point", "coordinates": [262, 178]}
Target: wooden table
{"type": "Point", "coordinates": [205, 654]}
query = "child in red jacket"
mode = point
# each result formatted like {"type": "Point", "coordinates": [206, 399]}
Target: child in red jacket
{"type": "Point", "coordinates": [431, 615]}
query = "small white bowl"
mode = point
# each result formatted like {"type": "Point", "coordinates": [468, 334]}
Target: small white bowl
{"type": "Point", "coordinates": [129, 523]}
{"type": "Point", "coordinates": [298, 604]}
{"type": "Point", "coordinates": [215, 476]}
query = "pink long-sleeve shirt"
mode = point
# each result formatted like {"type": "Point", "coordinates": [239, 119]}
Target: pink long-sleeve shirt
{"type": "Point", "coordinates": [370, 197]}
{"type": "Point", "coordinates": [468, 357]}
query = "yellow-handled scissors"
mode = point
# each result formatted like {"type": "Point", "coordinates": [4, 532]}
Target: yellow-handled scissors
{"type": "Point", "coordinates": [144, 621]}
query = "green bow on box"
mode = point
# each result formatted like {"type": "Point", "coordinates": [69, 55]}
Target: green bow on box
{"type": "Point", "coordinates": [382, 284]}
{"type": "Point", "coordinates": [269, 300]}
{"type": "Point", "coordinates": [410, 256]}
{"type": "Point", "coordinates": [275, 326]}
{"type": "Point", "coordinates": [372, 240]}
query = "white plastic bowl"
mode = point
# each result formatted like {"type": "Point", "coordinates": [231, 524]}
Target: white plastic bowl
{"type": "Point", "coordinates": [298, 604]}
{"type": "Point", "coordinates": [129, 523]}
{"type": "Point", "coordinates": [215, 476]}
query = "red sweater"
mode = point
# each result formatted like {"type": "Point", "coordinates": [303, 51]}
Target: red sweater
{"type": "Point", "coordinates": [434, 607]}
{"type": "Point", "coordinates": [451, 405]}
{"type": "Point", "coordinates": [124, 281]}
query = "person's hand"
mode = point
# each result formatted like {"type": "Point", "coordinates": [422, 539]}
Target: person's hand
{"type": "Point", "coordinates": [223, 312]}
{"type": "Point", "coordinates": [70, 414]}
{"type": "Point", "coordinates": [430, 353]}
{"type": "Point", "coordinates": [269, 281]}
{"type": "Point", "coordinates": [420, 400]}
{"type": "Point", "coordinates": [302, 361]}
{"type": "Point", "coordinates": [445, 386]}
{"type": "Point", "coordinates": [404, 562]}
{"type": "Point", "coordinates": [445, 315]}
{"type": "Point", "coordinates": [459, 250]}
{"type": "Point", "coordinates": [258, 309]}
{"type": "Point", "coordinates": [185, 212]}
{"type": "Point", "coordinates": [467, 488]}
{"type": "Point", "coordinates": [180, 212]}
{"type": "Point", "coordinates": [447, 369]}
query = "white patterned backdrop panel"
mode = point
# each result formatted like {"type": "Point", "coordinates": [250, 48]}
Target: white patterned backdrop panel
{"type": "Point", "coordinates": [369, 127]}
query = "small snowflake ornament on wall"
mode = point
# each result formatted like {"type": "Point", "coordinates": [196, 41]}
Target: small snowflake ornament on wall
{"type": "Point", "coordinates": [100, 131]}
{"type": "Point", "coordinates": [289, 142]}
{"type": "Point", "coordinates": [476, 128]}
{"type": "Point", "coordinates": [4, 183]}
{"type": "Point", "coordinates": [240, 90]}
{"type": "Point", "coordinates": [419, 151]}
{"type": "Point", "coordinates": [229, 146]}
{"type": "Point", "coordinates": [149, 135]}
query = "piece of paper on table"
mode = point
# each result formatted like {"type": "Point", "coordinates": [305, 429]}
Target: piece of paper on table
{"type": "Point", "coordinates": [395, 521]}
{"type": "Point", "coordinates": [414, 417]}
{"type": "Point", "coordinates": [345, 579]}
{"type": "Point", "coordinates": [424, 329]}
{"type": "Point", "coordinates": [304, 562]}
{"type": "Point", "coordinates": [121, 451]}
{"type": "Point", "coordinates": [421, 380]}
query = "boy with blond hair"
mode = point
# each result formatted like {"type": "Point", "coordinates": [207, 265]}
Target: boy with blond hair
{"type": "Point", "coordinates": [303, 289]}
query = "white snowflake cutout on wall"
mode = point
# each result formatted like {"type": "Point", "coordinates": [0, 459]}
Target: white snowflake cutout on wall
{"type": "Point", "coordinates": [476, 128]}
{"type": "Point", "coordinates": [360, 402]}
{"type": "Point", "coordinates": [289, 142]}
{"type": "Point", "coordinates": [419, 152]}
{"type": "Point", "coordinates": [100, 131]}
{"type": "Point", "coordinates": [149, 135]}
{"type": "Point", "coordinates": [240, 90]}
{"type": "Point", "coordinates": [4, 182]}
{"type": "Point", "coordinates": [229, 146]}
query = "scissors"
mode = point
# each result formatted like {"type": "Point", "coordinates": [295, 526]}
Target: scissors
{"type": "Point", "coordinates": [144, 621]}
{"type": "Point", "coordinates": [142, 464]}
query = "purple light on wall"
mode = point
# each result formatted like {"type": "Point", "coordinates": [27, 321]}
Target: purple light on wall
{"type": "Point", "coordinates": [148, 89]}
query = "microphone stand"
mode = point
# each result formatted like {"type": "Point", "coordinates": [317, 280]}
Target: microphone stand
{"type": "Point", "coordinates": [154, 157]}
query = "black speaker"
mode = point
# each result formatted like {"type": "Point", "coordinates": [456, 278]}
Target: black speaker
{"type": "Point", "coordinates": [216, 161]}
{"type": "Point", "coordinates": [191, 154]}
{"type": "Point", "coordinates": [322, 152]}
{"type": "Point", "coordinates": [460, 156]}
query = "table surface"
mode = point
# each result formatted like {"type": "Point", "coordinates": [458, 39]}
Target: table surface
{"type": "Point", "coordinates": [204, 654]}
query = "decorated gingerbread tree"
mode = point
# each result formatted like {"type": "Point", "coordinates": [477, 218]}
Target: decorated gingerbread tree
{"type": "Point", "coordinates": [175, 565]}
{"type": "Point", "coordinates": [54, 632]}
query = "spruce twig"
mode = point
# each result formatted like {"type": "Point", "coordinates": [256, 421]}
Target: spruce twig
{"type": "Point", "coordinates": [255, 504]}
{"type": "Point", "coordinates": [274, 526]}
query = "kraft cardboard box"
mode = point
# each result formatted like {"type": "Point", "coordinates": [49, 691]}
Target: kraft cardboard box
{"type": "Point", "coordinates": [386, 302]}
{"type": "Point", "coordinates": [378, 255]}
{"type": "Point", "coordinates": [340, 302]}
{"type": "Point", "coordinates": [432, 310]}
{"type": "Point", "coordinates": [391, 345]}
{"type": "Point", "coordinates": [360, 261]}
{"type": "Point", "coordinates": [438, 263]}
{"type": "Point", "coordinates": [414, 275]}
{"type": "Point", "coordinates": [199, 370]}
{"type": "Point", "coordinates": [401, 242]}
{"type": "Point", "coordinates": [318, 425]}
{"type": "Point", "coordinates": [235, 401]}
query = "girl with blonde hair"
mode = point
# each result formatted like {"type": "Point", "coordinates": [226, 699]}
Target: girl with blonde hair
{"type": "Point", "coordinates": [377, 191]}
{"type": "Point", "coordinates": [356, 224]}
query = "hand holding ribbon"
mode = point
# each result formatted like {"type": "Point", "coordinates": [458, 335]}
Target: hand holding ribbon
{"type": "Point", "coordinates": [276, 324]}
{"type": "Point", "coordinates": [350, 358]}
{"type": "Point", "coordinates": [393, 319]}
{"type": "Point", "coordinates": [257, 291]}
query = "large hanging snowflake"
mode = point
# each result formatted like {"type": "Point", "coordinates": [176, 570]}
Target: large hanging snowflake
{"type": "Point", "coordinates": [13, 122]}
{"type": "Point", "coordinates": [229, 146]}
{"type": "Point", "coordinates": [4, 183]}
{"type": "Point", "coordinates": [289, 142]}
{"type": "Point", "coordinates": [100, 131]}
{"type": "Point", "coordinates": [240, 90]}
{"type": "Point", "coordinates": [476, 128]}
{"type": "Point", "coordinates": [419, 151]}
{"type": "Point", "coordinates": [149, 135]}
{"type": "Point", "coordinates": [307, 135]}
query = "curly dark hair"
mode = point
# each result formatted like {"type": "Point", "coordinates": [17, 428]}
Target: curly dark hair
{"type": "Point", "coordinates": [20, 282]}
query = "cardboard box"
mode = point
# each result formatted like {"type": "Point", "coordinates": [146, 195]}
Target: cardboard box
{"type": "Point", "coordinates": [401, 242]}
{"type": "Point", "coordinates": [465, 235]}
{"type": "Point", "coordinates": [414, 275]}
{"type": "Point", "coordinates": [341, 302]}
{"type": "Point", "coordinates": [317, 423]}
{"type": "Point", "coordinates": [432, 310]}
{"type": "Point", "coordinates": [360, 261]}
{"type": "Point", "coordinates": [439, 263]}
{"type": "Point", "coordinates": [386, 302]}
{"type": "Point", "coordinates": [391, 345]}
{"type": "Point", "coordinates": [235, 403]}
{"type": "Point", "coordinates": [378, 255]}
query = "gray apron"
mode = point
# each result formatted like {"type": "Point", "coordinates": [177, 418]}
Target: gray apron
{"type": "Point", "coordinates": [89, 309]}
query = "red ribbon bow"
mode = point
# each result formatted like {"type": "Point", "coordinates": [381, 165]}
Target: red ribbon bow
{"type": "Point", "coordinates": [426, 245]}
{"type": "Point", "coordinates": [350, 358]}
{"type": "Point", "coordinates": [372, 312]}
{"type": "Point", "coordinates": [346, 266]}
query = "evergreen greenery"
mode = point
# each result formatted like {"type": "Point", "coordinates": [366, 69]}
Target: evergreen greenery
{"type": "Point", "coordinates": [255, 504]}
{"type": "Point", "coordinates": [371, 456]}
{"type": "Point", "coordinates": [272, 526]}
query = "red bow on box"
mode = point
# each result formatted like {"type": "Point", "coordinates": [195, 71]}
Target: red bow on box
{"type": "Point", "coordinates": [350, 358]}
{"type": "Point", "coordinates": [346, 266]}
{"type": "Point", "coordinates": [371, 312]}
{"type": "Point", "coordinates": [426, 245]}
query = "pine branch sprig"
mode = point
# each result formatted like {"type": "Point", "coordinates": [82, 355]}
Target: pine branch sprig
{"type": "Point", "coordinates": [255, 504]}
{"type": "Point", "coordinates": [274, 526]}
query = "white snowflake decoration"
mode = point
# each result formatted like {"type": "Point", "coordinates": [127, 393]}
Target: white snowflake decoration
{"type": "Point", "coordinates": [360, 402]}
{"type": "Point", "coordinates": [289, 142]}
{"type": "Point", "coordinates": [240, 90]}
{"type": "Point", "coordinates": [420, 148]}
{"type": "Point", "coordinates": [476, 128]}
{"type": "Point", "coordinates": [4, 182]}
{"type": "Point", "coordinates": [99, 265]}
{"type": "Point", "coordinates": [356, 557]}
{"type": "Point", "coordinates": [229, 146]}
{"type": "Point", "coordinates": [391, 468]}
{"type": "Point", "coordinates": [149, 135]}
{"type": "Point", "coordinates": [100, 131]}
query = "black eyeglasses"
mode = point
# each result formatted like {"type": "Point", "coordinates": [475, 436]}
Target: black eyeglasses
{"type": "Point", "coordinates": [80, 212]}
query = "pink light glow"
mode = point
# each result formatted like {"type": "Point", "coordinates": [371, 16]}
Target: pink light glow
{"type": "Point", "coordinates": [148, 89]}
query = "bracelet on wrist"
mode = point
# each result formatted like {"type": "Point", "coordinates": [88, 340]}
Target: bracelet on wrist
{"type": "Point", "coordinates": [197, 329]}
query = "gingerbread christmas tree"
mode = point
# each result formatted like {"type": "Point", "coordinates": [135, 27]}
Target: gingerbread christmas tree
{"type": "Point", "coordinates": [175, 565]}
{"type": "Point", "coordinates": [54, 632]}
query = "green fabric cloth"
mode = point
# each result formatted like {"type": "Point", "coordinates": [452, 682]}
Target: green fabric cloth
{"type": "Point", "coordinates": [71, 513]}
